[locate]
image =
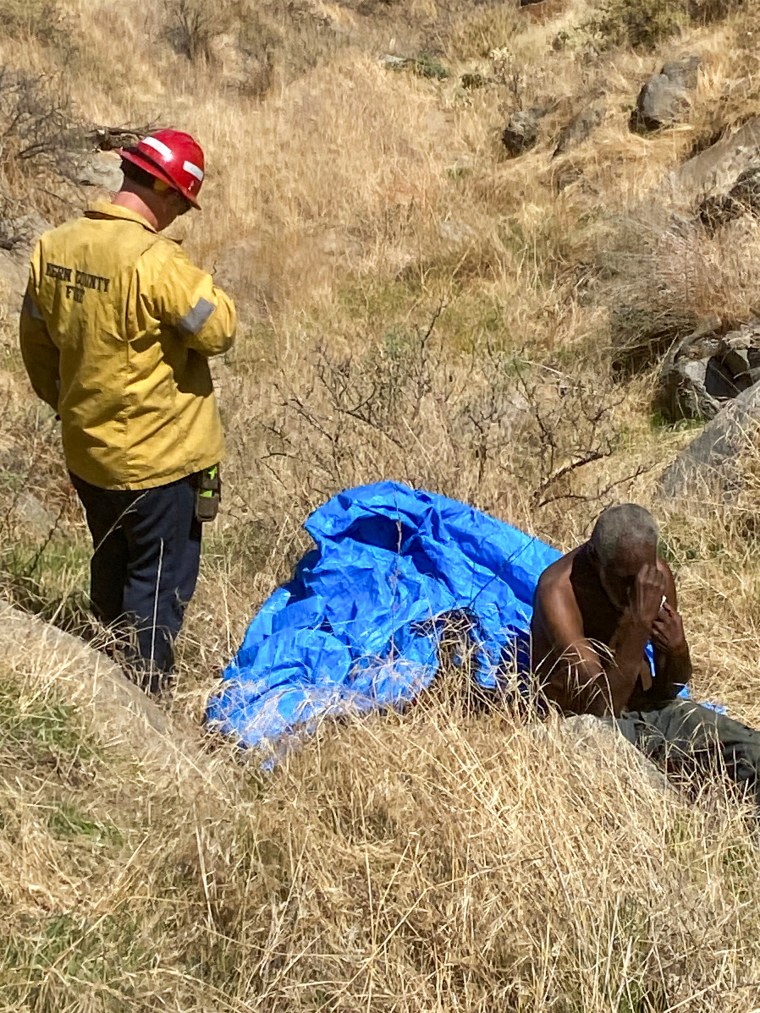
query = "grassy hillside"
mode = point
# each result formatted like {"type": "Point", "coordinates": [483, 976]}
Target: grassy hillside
{"type": "Point", "coordinates": [415, 304]}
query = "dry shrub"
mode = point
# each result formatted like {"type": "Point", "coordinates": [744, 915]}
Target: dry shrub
{"type": "Point", "coordinates": [192, 26]}
{"type": "Point", "coordinates": [37, 131]}
{"type": "Point", "coordinates": [638, 23]}
{"type": "Point", "coordinates": [44, 21]}
{"type": "Point", "coordinates": [671, 275]}
{"type": "Point", "coordinates": [484, 424]}
{"type": "Point", "coordinates": [707, 11]}
{"type": "Point", "coordinates": [643, 24]}
{"type": "Point", "coordinates": [475, 34]}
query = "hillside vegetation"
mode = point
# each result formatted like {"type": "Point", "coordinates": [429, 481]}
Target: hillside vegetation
{"type": "Point", "coordinates": [415, 304]}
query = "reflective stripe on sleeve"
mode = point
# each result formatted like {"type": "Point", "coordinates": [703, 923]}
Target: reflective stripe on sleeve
{"type": "Point", "coordinates": [196, 317]}
{"type": "Point", "coordinates": [30, 307]}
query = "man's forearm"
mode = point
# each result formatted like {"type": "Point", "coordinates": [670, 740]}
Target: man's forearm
{"type": "Point", "coordinates": [627, 647]}
{"type": "Point", "coordinates": [600, 687]}
{"type": "Point", "coordinates": [675, 670]}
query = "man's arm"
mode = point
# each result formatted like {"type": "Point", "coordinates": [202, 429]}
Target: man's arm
{"type": "Point", "coordinates": [591, 678]}
{"type": "Point", "coordinates": [39, 353]}
{"type": "Point", "coordinates": [672, 662]}
{"type": "Point", "coordinates": [185, 297]}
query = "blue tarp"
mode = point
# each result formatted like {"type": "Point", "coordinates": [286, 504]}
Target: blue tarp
{"type": "Point", "coordinates": [358, 626]}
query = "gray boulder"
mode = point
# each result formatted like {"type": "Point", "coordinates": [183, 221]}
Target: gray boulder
{"type": "Point", "coordinates": [683, 72]}
{"type": "Point", "coordinates": [101, 169]}
{"type": "Point", "coordinates": [719, 167]}
{"type": "Point", "coordinates": [664, 99]}
{"type": "Point", "coordinates": [707, 469]}
{"type": "Point", "coordinates": [521, 132]}
{"type": "Point", "coordinates": [119, 713]}
{"type": "Point", "coordinates": [34, 516]}
{"type": "Point", "coordinates": [18, 234]}
{"type": "Point", "coordinates": [704, 371]}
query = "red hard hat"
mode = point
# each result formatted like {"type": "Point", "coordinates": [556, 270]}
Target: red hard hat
{"type": "Point", "coordinates": [172, 156]}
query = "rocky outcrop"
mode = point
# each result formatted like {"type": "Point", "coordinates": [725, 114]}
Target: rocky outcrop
{"type": "Point", "coordinates": [704, 371]}
{"type": "Point", "coordinates": [101, 169]}
{"type": "Point", "coordinates": [719, 167]}
{"type": "Point", "coordinates": [664, 99]}
{"type": "Point", "coordinates": [18, 234]}
{"type": "Point", "coordinates": [707, 469]}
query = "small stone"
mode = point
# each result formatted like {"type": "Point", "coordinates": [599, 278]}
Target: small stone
{"type": "Point", "coordinates": [394, 62]}
{"type": "Point", "coordinates": [521, 132]}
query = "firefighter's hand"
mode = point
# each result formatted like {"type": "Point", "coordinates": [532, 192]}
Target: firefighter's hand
{"type": "Point", "coordinates": [667, 631]}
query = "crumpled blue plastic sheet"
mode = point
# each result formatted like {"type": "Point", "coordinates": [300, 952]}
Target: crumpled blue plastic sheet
{"type": "Point", "coordinates": [359, 625]}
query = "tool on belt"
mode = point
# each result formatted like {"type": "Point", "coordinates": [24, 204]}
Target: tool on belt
{"type": "Point", "coordinates": [208, 493]}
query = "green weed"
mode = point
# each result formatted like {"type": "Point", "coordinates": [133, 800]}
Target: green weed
{"type": "Point", "coordinates": [67, 821]}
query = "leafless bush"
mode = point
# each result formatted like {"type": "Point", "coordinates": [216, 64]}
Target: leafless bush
{"type": "Point", "coordinates": [37, 132]}
{"type": "Point", "coordinates": [192, 26]}
{"type": "Point", "coordinates": [567, 431]}
{"type": "Point", "coordinates": [488, 426]}
{"type": "Point", "coordinates": [359, 407]}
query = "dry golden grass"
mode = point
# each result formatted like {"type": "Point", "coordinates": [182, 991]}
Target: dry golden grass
{"type": "Point", "coordinates": [432, 861]}
{"type": "Point", "coordinates": [385, 253]}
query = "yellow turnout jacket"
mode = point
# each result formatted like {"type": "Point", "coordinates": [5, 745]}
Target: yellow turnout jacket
{"type": "Point", "coordinates": [116, 330]}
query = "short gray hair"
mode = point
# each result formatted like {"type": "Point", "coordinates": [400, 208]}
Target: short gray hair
{"type": "Point", "coordinates": [626, 524]}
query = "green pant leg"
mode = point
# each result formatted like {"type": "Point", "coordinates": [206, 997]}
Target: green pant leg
{"type": "Point", "coordinates": [694, 739]}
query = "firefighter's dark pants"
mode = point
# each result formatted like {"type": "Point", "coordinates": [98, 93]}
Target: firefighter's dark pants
{"type": "Point", "coordinates": [690, 739]}
{"type": "Point", "coordinates": [144, 568]}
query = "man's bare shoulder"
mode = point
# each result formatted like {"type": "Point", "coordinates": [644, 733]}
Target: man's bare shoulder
{"type": "Point", "coordinates": [556, 577]}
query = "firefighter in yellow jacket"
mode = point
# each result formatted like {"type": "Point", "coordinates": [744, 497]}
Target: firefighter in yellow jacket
{"type": "Point", "coordinates": [117, 327]}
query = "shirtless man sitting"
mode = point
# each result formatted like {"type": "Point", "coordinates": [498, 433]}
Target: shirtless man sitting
{"type": "Point", "coordinates": [595, 611]}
